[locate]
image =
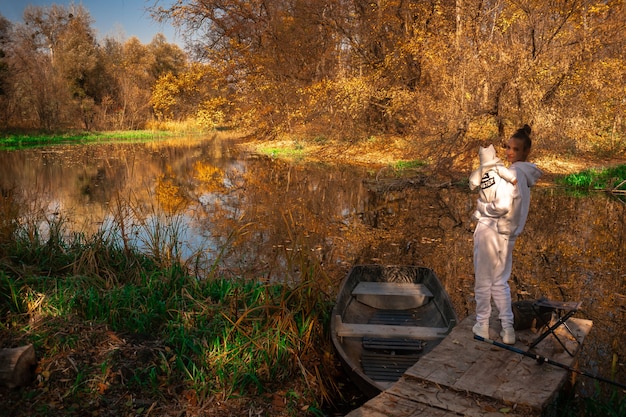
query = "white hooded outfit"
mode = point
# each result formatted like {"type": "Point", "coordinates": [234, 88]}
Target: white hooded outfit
{"type": "Point", "coordinates": [491, 170]}
{"type": "Point", "coordinates": [500, 220]}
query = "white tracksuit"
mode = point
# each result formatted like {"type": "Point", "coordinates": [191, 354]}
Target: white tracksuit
{"type": "Point", "coordinates": [500, 221]}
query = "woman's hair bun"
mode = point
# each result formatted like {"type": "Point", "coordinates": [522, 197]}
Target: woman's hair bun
{"type": "Point", "coordinates": [523, 133]}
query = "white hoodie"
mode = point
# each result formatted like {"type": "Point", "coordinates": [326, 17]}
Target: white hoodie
{"type": "Point", "coordinates": [511, 213]}
{"type": "Point", "coordinates": [514, 221]}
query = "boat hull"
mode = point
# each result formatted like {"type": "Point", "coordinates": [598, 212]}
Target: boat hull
{"type": "Point", "coordinates": [385, 318]}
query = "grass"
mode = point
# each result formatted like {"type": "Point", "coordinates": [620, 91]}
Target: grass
{"type": "Point", "coordinates": [211, 337]}
{"type": "Point", "coordinates": [401, 166]}
{"type": "Point", "coordinates": [113, 325]}
{"type": "Point", "coordinates": [20, 140]}
{"type": "Point", "coordinates": [614, 406]}
{"type": "Point", "coordinates": [295, 151]}
{"type": "Point", "coordinates": [609, 179]}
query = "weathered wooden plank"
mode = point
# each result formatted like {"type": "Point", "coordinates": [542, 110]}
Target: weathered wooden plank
{"type": "Point", "coordinates": [383, 330]}
{"type": "Point", "coordinates": [531, 384]}
{"type": "Point", "coordinates": [456, 354]}
{"type": "Point", "coordinates": [391, 289]}
{"type": "Point", "coordinates": [365, 411]}
{"type": "Point", "coordinates": [392, 295]}
{"type": "Point", "coordinates": [463, 376]}
{"type": "Point", "coordinates": [387, 405]}
{"type": "Point", "coordinates": [432, 401]}
{"type": "Point", "coordinates": [487, 372]}
{"type": "Point", "coordinates": [519, 379]}
{"type": "Point", "coordinates": [457, 403]}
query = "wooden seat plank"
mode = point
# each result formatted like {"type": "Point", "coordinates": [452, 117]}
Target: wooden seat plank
{"type": "Point", "coordinates": [381, 330]}
{"type": "Point", "coordinates": [392, 295]}
{"type": "Point", "coordinates": [391, 288]}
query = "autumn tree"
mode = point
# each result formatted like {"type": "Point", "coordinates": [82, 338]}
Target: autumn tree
{"type": "Point", "coordinates": [542, 57]}
{"type": "Point", "coordinates": [446, 72]}
{"type": "Point", "coordinates": [193, 93]}
{"type": "Point", "coordinates": [265, 48]}
{"type": "Point", "coordinates": [52, 63]}
{"type": "Point", "coordinates": [37, 87]}
{"type": "Point", "coordinates": [132, 70]}
{"type": "Point", "coordinates": [168, 57]}
{"type": "Point", "coordinates": [55, 75]}
{"type": "Point", "coordinates": [76, 62]}
{"type": "Point", "coordinates": [452, 71]}
{"type": "Point", "coordinates": [5, 30]}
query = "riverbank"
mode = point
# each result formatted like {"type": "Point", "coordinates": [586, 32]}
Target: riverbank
{"type": "Point", "coordinates": [378, 153]}
{"type": "Point", "coordinates": [119, 332]}
{"type": "Point", "coordinates": [383, 154]}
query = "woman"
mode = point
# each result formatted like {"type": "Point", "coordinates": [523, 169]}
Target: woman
{"type": "Point", "coordinates": [500, 222]}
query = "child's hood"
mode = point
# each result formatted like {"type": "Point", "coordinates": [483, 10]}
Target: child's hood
{"type": "Point", "coordinates": [529, 171]}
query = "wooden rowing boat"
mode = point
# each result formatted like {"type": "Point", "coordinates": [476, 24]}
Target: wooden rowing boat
{"type": "Point", "coordinates": [385, 319]}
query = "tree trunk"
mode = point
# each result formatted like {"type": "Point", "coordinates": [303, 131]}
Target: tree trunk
{"type": "Point", "coordinates": [16, 366]}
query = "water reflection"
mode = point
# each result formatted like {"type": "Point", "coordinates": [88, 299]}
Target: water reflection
{"type": "Point", "coordinates": [258, 217]}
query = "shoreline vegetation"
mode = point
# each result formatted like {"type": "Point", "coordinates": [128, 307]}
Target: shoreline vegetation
{"type": "Point", "coordinates": [25, 140]}
{"type": "Point", "coordinates": [394, 155]}
{"type": "Point", "coordinates": [121, 332]}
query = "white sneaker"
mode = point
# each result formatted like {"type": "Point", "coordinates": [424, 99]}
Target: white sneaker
{"type": "Point", "coordinates": [508, 335]}
{"type": "Point", "coordinates": [481, 330]}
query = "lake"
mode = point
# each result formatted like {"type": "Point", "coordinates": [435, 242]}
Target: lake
{"type": "Point", "coordinates": [209, 203]}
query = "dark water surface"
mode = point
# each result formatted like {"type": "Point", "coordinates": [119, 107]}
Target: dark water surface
{"type": "Point", "coordinates": [206, 201]}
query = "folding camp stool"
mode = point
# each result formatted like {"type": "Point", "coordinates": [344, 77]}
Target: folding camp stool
{"type": "Point", "coordinates": [563, 310]}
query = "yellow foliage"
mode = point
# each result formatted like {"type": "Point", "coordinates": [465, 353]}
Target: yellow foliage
{"type": "Point", "coordinates": [164, 96]}
{"type": "Point", "coordinates": [211, 113]}
{"type": "Point", "coordinates": [169, 195]}
{"type": "Point", "coordinates": [211, 177]}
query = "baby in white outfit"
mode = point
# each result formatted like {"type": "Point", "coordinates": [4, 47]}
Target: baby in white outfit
{"type": "Point", "coordinates": [487, 176]}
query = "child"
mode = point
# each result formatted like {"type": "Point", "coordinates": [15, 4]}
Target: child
{"type": "Point", "coordinates": [490, 243]}
{"type": "Point", "coordinates": [488, 175]}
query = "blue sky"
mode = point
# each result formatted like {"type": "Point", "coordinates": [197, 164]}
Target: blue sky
{"type": "Point", "coordinates": [111, 17]}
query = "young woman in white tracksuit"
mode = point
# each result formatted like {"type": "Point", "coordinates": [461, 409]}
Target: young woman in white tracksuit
{"type": "Point", "coordinates": [500, 221]}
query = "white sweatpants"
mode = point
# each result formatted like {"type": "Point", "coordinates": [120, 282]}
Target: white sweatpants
{"type": "Point", "coordinates": [493, 259]}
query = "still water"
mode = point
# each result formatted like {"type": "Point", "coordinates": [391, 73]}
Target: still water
{"type": "Point", "coordinates": [209, 203]}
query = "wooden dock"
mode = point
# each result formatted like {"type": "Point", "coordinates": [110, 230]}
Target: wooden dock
{"type": "Point", "coordinates": [463, 376]}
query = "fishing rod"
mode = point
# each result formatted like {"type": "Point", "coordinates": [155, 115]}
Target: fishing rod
{"type": "Point", "coordinates": [542, 359]}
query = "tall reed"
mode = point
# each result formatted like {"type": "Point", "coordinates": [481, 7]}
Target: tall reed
{"type": "Point", "coordinates": [211, 335]}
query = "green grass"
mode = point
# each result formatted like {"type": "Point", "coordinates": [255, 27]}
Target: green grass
{"type": "Point", "coordinates": [400, 166]}
{"type": "Point", "coordinates": [68, 293]}
{"type": "Point", "coordinates": [400, 169]}
{"type": "Point", "coordinates": [297, 152]}
{"type": "Point", "coordinates": [20, 141]}
{"type": "Point", "coordinates": [596, 179]}
{"type": "Point", "coordinates": [613, 406]}
{"type": "Point", "coordinates": [226, 334]}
